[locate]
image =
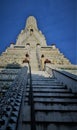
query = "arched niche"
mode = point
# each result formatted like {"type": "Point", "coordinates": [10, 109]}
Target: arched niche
{"type": "Point", "coordinates": [42, 56]}
{"type": "Point", "coordinates": [31, 30]}
{"type": "Point", "coordinates": [38, 44]}
{"type": "Point", "coordinates": [27, 55]}
{"type": "Point", "coordinates": [27, 44]}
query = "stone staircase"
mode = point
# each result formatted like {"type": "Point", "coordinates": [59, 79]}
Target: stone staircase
{"type": "Point", "coordinates": [34, 61]}
{"type": "Point", "coordinates": [51, 107]}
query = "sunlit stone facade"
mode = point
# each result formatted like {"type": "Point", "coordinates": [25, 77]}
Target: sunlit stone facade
{"type": "Point", "coordinates": [31, 41]}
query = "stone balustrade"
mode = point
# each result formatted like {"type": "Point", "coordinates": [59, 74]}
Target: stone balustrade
{"type": "Point", "coordinates": [68, 79]}
{"type": "Point", "coordinates": [10, 103]}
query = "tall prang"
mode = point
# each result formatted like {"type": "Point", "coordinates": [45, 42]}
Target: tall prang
{"type": "Point", "coordinates": [32, 42]}
{"type": "Point", "coordinates": [31, 34]}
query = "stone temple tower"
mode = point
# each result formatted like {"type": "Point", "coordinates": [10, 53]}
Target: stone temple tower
{"type": "Point", "coordinates": [36, 90]}
{"type": "Point", "coordinates": [31, 41]}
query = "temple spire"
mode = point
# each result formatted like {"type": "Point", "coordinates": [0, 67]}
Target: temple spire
{"type": "Point", "coordinates": [31, 22]}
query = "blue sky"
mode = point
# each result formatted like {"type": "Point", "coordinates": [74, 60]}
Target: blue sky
{"type": "Point", "coordinates": [56, 19]}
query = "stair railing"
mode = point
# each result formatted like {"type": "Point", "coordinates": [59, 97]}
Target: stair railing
{"type": "Point", "coordinates": [64, 77]}
{"type": "Point", "coordinates": [31, 102]}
